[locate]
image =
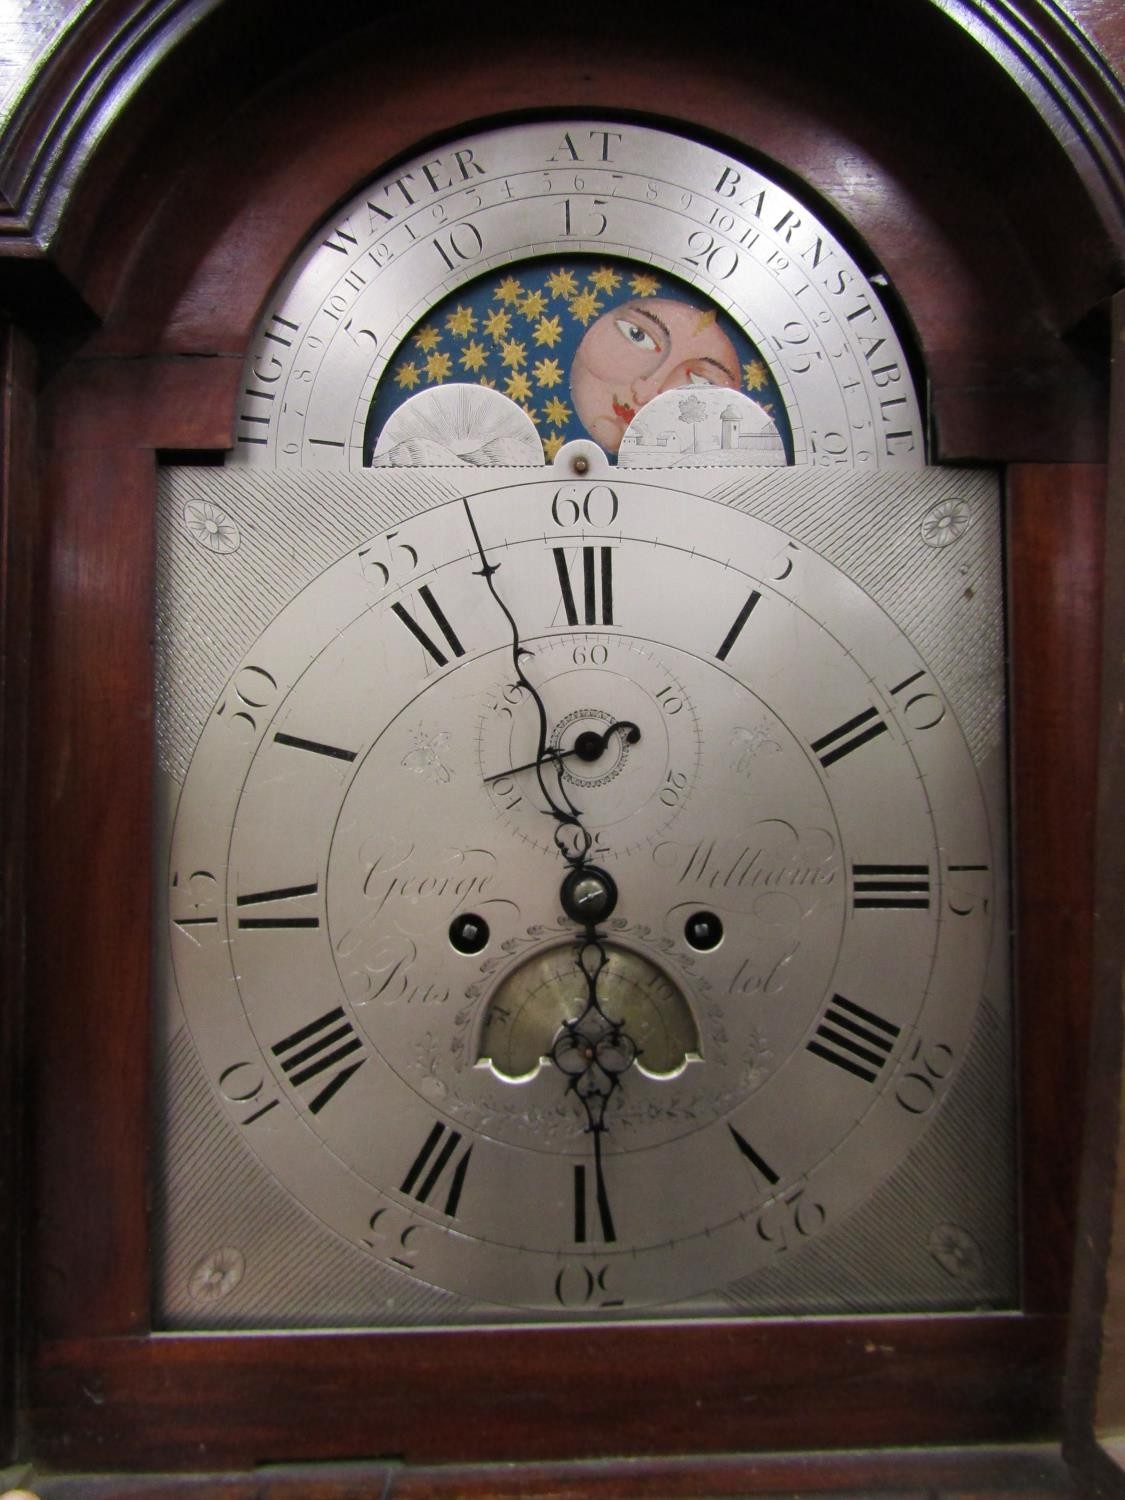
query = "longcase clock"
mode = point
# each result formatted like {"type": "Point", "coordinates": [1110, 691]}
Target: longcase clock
{"type": "Point", "coordinates": [565, 686]}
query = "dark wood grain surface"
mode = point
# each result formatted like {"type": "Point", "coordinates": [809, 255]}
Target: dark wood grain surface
{"type": "Point", "coordinates": [558, 1393]}
{"type": "Point", "coordinates": [1104, 1284]}
{"type": "Point", "coordinates": [1055, 541]}
{"type": "Point", "coordinates": [18, 513]}
{"type": "Point", "coordinates": [90, 877]}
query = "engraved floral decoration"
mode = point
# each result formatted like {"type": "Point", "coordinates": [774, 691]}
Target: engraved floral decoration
{"type": "Point", "coordinates": [217, 1275]}
{"type": "Point", "coordinates": [946, 522]}
{"type": "Point", "coordinates": [956, 1251]}
{"type": "Point", "coordinates": [748, 742]}
{"type": "Point", "coordinates": [211, 527]}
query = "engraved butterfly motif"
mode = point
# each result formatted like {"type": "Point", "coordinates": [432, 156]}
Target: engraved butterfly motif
{"type": "Point", "coordinates": [425, 759]}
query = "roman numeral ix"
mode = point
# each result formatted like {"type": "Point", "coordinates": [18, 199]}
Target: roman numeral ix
{"type": "Point", "coordinates": [282, 916]}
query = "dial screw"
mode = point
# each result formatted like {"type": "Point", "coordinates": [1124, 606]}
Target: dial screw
{"type": "Point", "coordinates": [704, 931]}
{"type": "Point", "coordinates": [581, 463]}
{"type": "Point", "coordinates": [588, 895]}
{"type": "Point", "coordinates": [468, 933]}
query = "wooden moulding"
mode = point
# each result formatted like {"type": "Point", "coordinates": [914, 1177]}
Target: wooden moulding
{"type": "Point", "coordinates": [203, 1402]}
{"type": "Point", "coordinates": [17, 549]}
{"type": "Point", "coordinates": [89, 881]}
{"type": "Point", "coordinates": [1095, 1389]}
{"type": "Point", "coordinates": [1032, 1473]}
{"type": "Point", "coordinates": [1055, 539]}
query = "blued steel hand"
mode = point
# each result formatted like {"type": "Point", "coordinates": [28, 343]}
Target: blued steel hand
{"type": "Point", "coordinates": [561, 808]}
{"type": "Point", "coordinates": [588, 747]}
{"type": "Point", "coordinates": [594, 1050]}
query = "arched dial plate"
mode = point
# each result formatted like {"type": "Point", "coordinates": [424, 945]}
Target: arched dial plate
{"type": "Point", "coordinates": [579, 267]}
{"type": "Point", "coordinates": [815, 775]}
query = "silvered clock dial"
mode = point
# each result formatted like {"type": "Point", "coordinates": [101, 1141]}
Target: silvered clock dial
{"type": "Point", "coordinates": [581, 268]}
{"type": "Point", "coordinates": [584, 893]}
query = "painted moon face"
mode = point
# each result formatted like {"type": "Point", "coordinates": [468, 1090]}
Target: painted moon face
{"type": "Point", "coordinates": [639, 350]}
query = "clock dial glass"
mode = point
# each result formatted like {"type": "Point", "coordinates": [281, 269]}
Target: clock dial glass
{"type": "Point", "coordinates": [407, 1080]}
{"type": "Point", "coordinates": [581, 268]}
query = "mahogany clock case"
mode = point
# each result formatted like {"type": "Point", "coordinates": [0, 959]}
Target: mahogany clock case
{"type": "Point", "coordinates": [176, 231]}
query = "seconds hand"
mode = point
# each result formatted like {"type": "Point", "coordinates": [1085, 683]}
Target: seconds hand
{"type": "Point", "coordinates": [588, 747]}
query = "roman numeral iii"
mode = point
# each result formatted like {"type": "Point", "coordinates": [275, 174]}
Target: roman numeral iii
{"type": "Point", "coordinates": [891, 887]}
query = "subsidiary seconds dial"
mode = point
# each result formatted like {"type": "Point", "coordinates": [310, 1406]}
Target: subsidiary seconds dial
{"type": "Point", "coordinates": [581, 268]}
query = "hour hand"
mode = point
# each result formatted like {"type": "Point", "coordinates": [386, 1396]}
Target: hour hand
{"type": "Point", "coordinates": [589, 746]}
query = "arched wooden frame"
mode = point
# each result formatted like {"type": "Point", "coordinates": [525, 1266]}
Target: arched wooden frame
{"type": "Point", "coordinates": [173, 236]}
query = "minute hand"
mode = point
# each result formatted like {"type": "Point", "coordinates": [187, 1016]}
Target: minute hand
{"type": "Point", "coordinates": [561, 808]}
